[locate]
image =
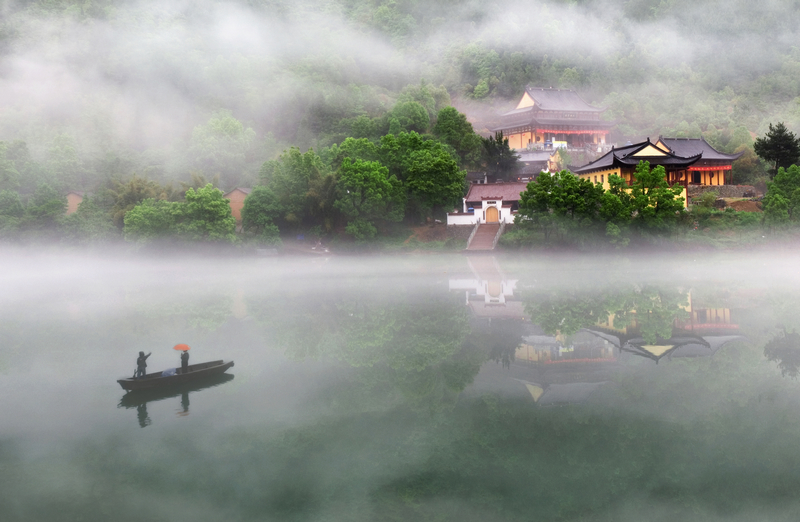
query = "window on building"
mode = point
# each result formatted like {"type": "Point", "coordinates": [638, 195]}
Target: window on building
{"type": "Point", "coordinates": [602, 178]}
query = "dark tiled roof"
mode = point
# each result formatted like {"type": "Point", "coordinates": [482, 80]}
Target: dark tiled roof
{"type": "Point", "coordinates": [693, 146]}
{"type": "Point", "coordinates": [559, 100]}
{"type": "Point", "coordinates": [536, 155]}
{"type": "Point", "coordinates": [242, 189]}
{"type": "Point", "coordinates": [626, 156]}
{"type": "Point", "coordinates": [504, 191]}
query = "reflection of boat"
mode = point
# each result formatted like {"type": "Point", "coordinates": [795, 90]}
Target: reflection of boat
{"type": "Point", "coordinates": [137, 398]}
{"type": "Point", "coordinates": [157, 380]}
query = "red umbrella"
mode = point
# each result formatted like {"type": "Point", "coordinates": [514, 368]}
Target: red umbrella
{"type": "Point", "coordinates": [181, 347]}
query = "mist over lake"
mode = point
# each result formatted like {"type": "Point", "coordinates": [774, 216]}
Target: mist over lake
{"type": "Point", "coordinates": [449, 387]}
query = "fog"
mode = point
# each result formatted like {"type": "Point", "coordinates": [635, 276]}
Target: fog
{"type": "Point", "coordinates": [401, 387]}
{"type": "Point", "coordinates": [133, 79]}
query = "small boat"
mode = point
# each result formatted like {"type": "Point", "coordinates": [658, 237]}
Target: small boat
{"type": "Point", "coordinates": [193, 372]}
{"type": "Point", "coordinates": [135, 398]}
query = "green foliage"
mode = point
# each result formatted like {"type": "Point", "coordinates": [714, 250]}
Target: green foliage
{"type": "Point", "coordinates": [205, 216]}
{"type": "Point", "coordinates": [498, 158]}
{"type": "Point", "coordinates": [707, 199]}
{"type": "Point", "coordinates": [560, 204]}
{"type": "Point", "coordinates": [657, 206]}
{"type": "Point", "coordinates": [150, 220]}
{"type": "Point", "coordinates": [11, 213]}
{"type": "Point", "coordinates": [89, 224]}
{"type": "Point", "coordinates": [780, 147]}
{"type": "Point", "coordinates": [453, 129]}
{"type": "Point", "coordinates": [222, 147]}
{"type": "Point", "coordinates": [9, 177]}
{"type": "Point", "coordinates": [46, 209]}
{"type": "Point", "coordinates": [367, 195]}
{"type": "Point", "coordinates": [303, 184]}
{"type": "Point", "coordinates": [261, 209]}
{"type": "Point", "coordinates": [135, 191]}
{"type": "Point", "coordinates": [409, 116]}
{"type": "Point", "coordinates": [782, 200]}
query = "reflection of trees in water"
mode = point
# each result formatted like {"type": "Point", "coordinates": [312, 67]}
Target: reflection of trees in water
{"type": "Point", "coordinates": [652, 309]}
{"type": "Point", "coordinates": [785, 349]}
{"type": "Point", "coordinates": [504, 336]}
{"type": "Point", "coordinates": [400, 340]}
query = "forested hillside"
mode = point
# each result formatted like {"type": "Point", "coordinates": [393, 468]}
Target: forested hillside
{"type": "Point", "coordinates": [93, 92]}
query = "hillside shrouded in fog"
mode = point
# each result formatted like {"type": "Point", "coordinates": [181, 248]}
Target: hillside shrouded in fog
{"type": "Point", "coordinates": [167, 89]}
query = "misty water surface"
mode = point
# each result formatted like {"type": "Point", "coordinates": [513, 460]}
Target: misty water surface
{"type": "Point", "coordinates": [409, 388]}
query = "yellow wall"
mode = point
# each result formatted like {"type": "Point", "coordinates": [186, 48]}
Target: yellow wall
{"type": "Point", "coordinates": [595, 177]}
{"type": "Point", "coordinates": [520, 140]}
{"type": "Point", "coordinates": [650, 151]}
{"type": "Point", "coordinates": [707, 179]}
{"type": "Point", "coordinates": [603, 174]}
{"type": "Point", "coordinates": [526, 101]}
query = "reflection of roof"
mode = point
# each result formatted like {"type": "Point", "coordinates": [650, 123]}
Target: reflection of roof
{"type": "Point", "coordinates": [569, 393]}
{"type": "Point", "coordinates": [504, 191]}
{"type": "Point", "coordinates": [627, 156]}
{"type": "Point", "coordinates": [714, 344]}
{"type": "Point", "coordinates": [694, 146]}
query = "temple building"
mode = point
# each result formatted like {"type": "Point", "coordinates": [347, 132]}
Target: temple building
{"type": "Point", "coordinates": [713, 166]}
{"type": "Point", "coordinates": [623, 161]}
{"type": "Point", "coordinates": [553, 118]}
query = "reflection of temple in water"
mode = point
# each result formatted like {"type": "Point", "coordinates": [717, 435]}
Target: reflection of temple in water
{"type": "Point", "coordinates": [700, 334]}
{"type": "Point", "coordinates": [488, 292]}
{"type": "Point", "coordinates": [559, 369]}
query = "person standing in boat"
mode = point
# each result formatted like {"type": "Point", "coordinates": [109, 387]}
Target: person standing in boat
{"type": "Point", "coordinates": [184, 361]}
{"type": "Point", "coordinates": [141, 365]}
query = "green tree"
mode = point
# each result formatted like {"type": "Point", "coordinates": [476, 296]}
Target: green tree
{"type": "Point", "coordinates": [205, 216]}
{"type": "Point", "coordinates": [135, 191]}
{"type": "Point", "coordinates": [294, 177]}
{"type": "Point", "coordinates": [498, 158]}
{"type": "Point", "coordinates": [657, 206]}
{"type": "Point", "coordinates": [64, 164]}
{"type": "Point", "coordinates": [780, 147]}
{"type": "Point", "coordinates": [11, 213]}
{"type": "Point", "coordinates": [782, 200]}
{"type": "Point", "coordinates": [90, 223]}
{"type": "Point", "coordinates": [261, 209]}
{"type": "Point", "coordinates": [150, 220]}
{"type": "Point", "coordinates": [46, 208]}
{"type": "Point", "coordinates": [561, 202]}
{"type": "Point", "coordinates": [222, 146]}
{"type": "Point", "coordinates": [366, 195]}
{"type": "Point", "coordinates": [409, 116]}
{"type": "Point", "coordinates": [453, 129]}
{"type": "Point", "coordinates": [9, 176]}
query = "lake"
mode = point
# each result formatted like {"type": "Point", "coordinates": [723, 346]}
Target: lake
{"type": "Point", "coordinates": [430, 387]}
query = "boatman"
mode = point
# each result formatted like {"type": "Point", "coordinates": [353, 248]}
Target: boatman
{"type": "Point", "coordinates": [141, 365]}
{"type": "Point", "coordinates": [185, 361]}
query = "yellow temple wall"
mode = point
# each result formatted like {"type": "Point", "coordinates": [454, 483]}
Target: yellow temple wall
{"type": "Point", "coordinates": [601, 177]}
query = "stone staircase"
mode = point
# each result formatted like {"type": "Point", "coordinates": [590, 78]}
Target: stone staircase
{"type": "Point", "coordinates": [483, 240]}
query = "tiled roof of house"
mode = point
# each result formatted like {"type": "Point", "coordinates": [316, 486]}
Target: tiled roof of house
{"type": "Point", "coordinates": [694, 146]}
{"type": "Point", "coordinates": [626, 156]}
{"type": "Point", "coordinates": [559, 100]}
{"type": "Point", "coordinates": [504, 191]}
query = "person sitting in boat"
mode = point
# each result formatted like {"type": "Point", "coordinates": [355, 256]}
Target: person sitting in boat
{"type": "Point", "coordinates": [184, 361]}
{"type": "Point", "coordinates": [141, 365]}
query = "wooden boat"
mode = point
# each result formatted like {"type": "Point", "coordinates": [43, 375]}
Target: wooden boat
{"type": "Point", "coordinates": [135, 398]}
{"type": "Point", "coordinates": [192, 373]}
